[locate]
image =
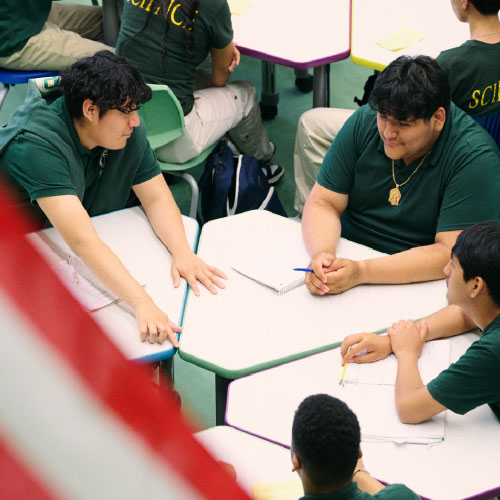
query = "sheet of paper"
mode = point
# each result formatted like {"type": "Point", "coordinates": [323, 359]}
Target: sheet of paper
{"type": "Point", "coordinates": [237, 7]}
{"type": "Point", "coordinates": [368, 389]}
{"type": "Point", "coordinates": [279, 490]}
{"type": "Point", "coordinates": [83, 285]}
{"type": "Point", "coordinates": [400, 39]}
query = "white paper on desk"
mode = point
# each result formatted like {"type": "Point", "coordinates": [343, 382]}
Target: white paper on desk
{"type": "Point", "coordinates": [84, 285]}
{"type": "Point", "coordinates": [368, 390]}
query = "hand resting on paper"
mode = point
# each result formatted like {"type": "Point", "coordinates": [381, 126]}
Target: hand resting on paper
{"type": "Point", "coordinates": [376, 347]}
{"type": "Point", "coordinates": [407, 337]}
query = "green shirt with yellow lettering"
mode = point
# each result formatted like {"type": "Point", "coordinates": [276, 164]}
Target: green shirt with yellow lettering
{"type": "Point", "coordinates": [473, 69]}
{"type": "Point", "coordinates": [457, 185]}
{"type": "Point", "coordinates": [155, 45]}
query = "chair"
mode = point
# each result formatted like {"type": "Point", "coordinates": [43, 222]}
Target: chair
{"type": "Point", "coordinates": [164, 121]}
{"type": "Point", "coordinates": [491, 123]}
{"type": "Point", "coordinates": [10, 77]}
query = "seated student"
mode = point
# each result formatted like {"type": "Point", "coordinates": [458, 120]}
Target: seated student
{"type": "Point", "coordinates": [473, 68]}
{"type": "Point", "coordinates": [166, 41]}
{"type": "Point", "coordinates": [46, 35]}
{"type": "Point", "coordinates": [326, 454]}
{"type": "Point", "coordinates": [84, 155]}
{"type": "Point", "coordinates": [473, 279]}
{"type": "Point", "coordinates": [404, 176]}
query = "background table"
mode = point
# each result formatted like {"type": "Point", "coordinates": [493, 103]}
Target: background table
{"type": "Point", "coordinates": [373, 20]}
{"type": "Point", "coordinates": [130, 236]}
{"type": "Point", "coordinates": [465, 465]}
{"type": "Point", "coordinates": [297, 34]}
{"type": "Point", "coordinates": [246, 327]}
{"type": "Point", "coordinates": [255, 460]}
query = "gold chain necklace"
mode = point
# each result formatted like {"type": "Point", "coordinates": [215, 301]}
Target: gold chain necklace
{"type": "Point", "coordinates": [488, 34]}
{"type": "Point", "coordinates": [395, 193]}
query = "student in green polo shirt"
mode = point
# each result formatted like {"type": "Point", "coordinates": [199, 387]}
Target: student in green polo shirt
{"type": "Point", "coordinates": [46, 35]}
{"type": "Point", "coordinates": [473, 279]}
{"type": "Point", "coordinates": [326, 454]}
{"type": "Point", "coordinates": [85, 154]}
{"type": "Point", "coordinates": [405, 175]}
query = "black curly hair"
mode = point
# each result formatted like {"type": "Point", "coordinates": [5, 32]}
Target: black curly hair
{"type": "Point", "coordinates": [107, 80]}
{"type": "Point", "coordinates": [325, 438]}
{"type": "Point", "coordinates": [487, 7]}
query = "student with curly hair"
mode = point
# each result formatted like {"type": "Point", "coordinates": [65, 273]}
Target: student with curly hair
{"type": "Point", "coordinates": [326, 454]}
{"type": "Point", "coordinates": [166, 40]}
{"type": "Point", "coordinates": [86, 154]}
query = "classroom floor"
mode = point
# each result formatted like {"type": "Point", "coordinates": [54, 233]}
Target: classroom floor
{"type": "Point", "coordinates": [197, 386]}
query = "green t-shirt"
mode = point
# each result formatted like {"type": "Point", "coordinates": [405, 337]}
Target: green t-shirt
{"type": "Point", "coordinates": [458, 184]}
{"type": "Point", "coordinates": [161, 55]}
{"type": "Point", "coordinates": [473, 69]}
{"type": "Point", "coordinates": [19, 21]}
{"type": "Point", "coordinates": [42, 156]}
{"type": "Point", "coordinates": [390, 492]}
{"type": "Point", "coordinates": [474, 379]}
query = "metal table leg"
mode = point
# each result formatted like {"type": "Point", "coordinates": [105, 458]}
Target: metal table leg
{"type": "Point", "coordinates": [321, 87]}
{"type": "Point", "coordinates": [269, 98]}
{"type": "Point", "coordinates": [221, 385]}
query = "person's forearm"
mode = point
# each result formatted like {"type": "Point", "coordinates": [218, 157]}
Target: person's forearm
{"type": "Point", "coordinates": [408, 382]}
{"type": "Point", "coordinates": [447, 322]}
{"type": "Point", "coordinates": [411, 266]}
{"type": "Point", "coordinates": [320, 228]}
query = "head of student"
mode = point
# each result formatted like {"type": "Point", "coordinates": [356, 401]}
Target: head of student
{"type": "Point", "coordinates": [411, 97]}
{"type": "Point", "coordinates": [474, 267]}
{"type": "Point", "coordinates": [325, 444]}
{"type": "Point", "coordinates": [484, 7]}
{"type": "Point", "coordinates": [102, 93]}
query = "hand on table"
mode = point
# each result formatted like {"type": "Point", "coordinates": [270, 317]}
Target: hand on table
{"type": "Point", "coordinates": [193, 269]}
{"type": "Point", "coordinates": [154, 324]}
{"type": "Point", "coordinates": [407, 337]}
{"type": "Point", "coordinates": [316, 281]}
{"type": "Point", "coordinates": [235, 61]}
{"type": "Point", "coordinates": [332, 275]}
{"type": "Point", "coordinates": [376, 346]}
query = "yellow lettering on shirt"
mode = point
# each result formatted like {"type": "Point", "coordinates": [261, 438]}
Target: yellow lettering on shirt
{"type": "Point", "coordinates": [475, 99]}
{"type": "Point", "coordinates": [170, 5]}
{"type": "Point", "coordinates": [482, 97]}
{"type": "Point", "coordinates": [172, 16]}
{"type": "Point", "coordinates": [136, 2]}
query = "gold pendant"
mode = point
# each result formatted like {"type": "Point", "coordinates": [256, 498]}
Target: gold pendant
{"type": "Point", "coordinates": [394, 196]}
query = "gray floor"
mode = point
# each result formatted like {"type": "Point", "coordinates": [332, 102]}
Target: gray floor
{"type": "Point", "coordinates": [196, 385]}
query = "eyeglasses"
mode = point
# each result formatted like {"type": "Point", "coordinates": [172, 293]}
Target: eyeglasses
{"type": "Point", "coordinates": [127, 111]}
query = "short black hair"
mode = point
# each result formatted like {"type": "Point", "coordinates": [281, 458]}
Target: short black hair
{"type": "Point", "coordinates": [325, 438]}
{"type": "Point", "coordinates": [487, 7]}
{"type": "Point", "coordinates": [411, 88]}
{"type": "Point", "coordinates": [104, 78]}
{"type": "Point", "coordinates": [478, 251]}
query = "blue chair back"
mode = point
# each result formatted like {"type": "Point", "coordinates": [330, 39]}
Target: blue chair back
{"type": "Point", "coordinates": [490, 122]}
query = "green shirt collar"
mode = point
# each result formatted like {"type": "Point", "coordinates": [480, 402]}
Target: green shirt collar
{"type": "Point", "coordinates": [493, 326]}
{"type": "Point", "coordinates": [348, 493]}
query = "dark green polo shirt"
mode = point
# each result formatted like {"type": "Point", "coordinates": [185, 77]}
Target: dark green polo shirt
{"type": "Point", "coordinates": [159, 54]}
{"type": "Point", "coordinates": [473, 70]}
{"type": "Point", "coordinates": [390, 492]}
{"type": "Point", "coordinates": [458, 184]}
{"type": "Point", "coordinates": [43, 157]}
{"type": "Point", "coordinates": [19, 21]}
{"type": "Point", "coordinates": [474, 379]}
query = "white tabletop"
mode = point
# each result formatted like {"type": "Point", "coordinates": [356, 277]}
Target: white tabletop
{"type": "Point", "coordinates": [130, 236]}
{"type": "Point", "coordinates": [465, 464]}
{"type": "Point", "coordinates": [255, 460]}
{"type": "Point", "coordinates": [246, 327]}
{"type": "Point", "coordinates": [373, 20]}
{"type": "Point", "coordinates": [293, 32]}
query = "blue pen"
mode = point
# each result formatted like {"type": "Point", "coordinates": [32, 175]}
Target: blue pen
{"type": "Point", "coordinates": [305, 269]}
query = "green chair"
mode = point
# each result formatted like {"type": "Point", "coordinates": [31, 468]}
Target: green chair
{"type": "Point", "coordinates": [164, 121]}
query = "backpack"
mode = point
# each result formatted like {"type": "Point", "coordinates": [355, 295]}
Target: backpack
{"type": "Point", "coordinates": [233, 184]}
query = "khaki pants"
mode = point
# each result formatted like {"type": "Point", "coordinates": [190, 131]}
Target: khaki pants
{"type": "Point", "coordinates": [316, 131]}
{"type": "Point", "coordinates": [70, 33]}
{"type": "Point", "coordinates": [233, 109]}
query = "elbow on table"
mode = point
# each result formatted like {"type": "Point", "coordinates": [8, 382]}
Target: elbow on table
{"type": "Point", "coordinates": [408, 414]}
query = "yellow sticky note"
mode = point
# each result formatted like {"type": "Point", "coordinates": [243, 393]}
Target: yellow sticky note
{"type": "Point", "coordinates": [280, 490]}
{"type": "Point", "coordinates": [400, 39]}
{"type": "Point", "coordinates": [237, 7]}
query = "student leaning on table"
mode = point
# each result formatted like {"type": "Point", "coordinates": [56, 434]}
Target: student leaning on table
{"type": "Point", "coordinates": [326, 454]}
{"type": "Point", "coordinates": [404, 176]}
{"type": "Point", "coordinates": [473, 279]}
{"type": "Point", "coordinates": [86, 154]}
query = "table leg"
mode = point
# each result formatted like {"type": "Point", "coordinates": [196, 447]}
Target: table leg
{"type": "Point", "coordinates": [321, 87]}
{"type": "Point", "coordinates": [303, 80]}
{"type": "Point", "coordinates": [221, 385]}
{"type": "Point", "coordinates": [269, 97]}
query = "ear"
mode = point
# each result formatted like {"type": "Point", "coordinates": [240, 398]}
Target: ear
{"type": "Point", "coordinates": [296, 464]}
{"type": "Point", "coordinates": [478, 286]}
{"type": "Point", "coordinates": [89, 110]}
{"type": "Point", "coordinates": [438, 119]}
{"type": "Point", "coordinates": [360, 453]}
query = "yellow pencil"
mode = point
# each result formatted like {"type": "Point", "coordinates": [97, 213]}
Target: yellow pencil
{"type": "Point", "coordinates": [341, 381]}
